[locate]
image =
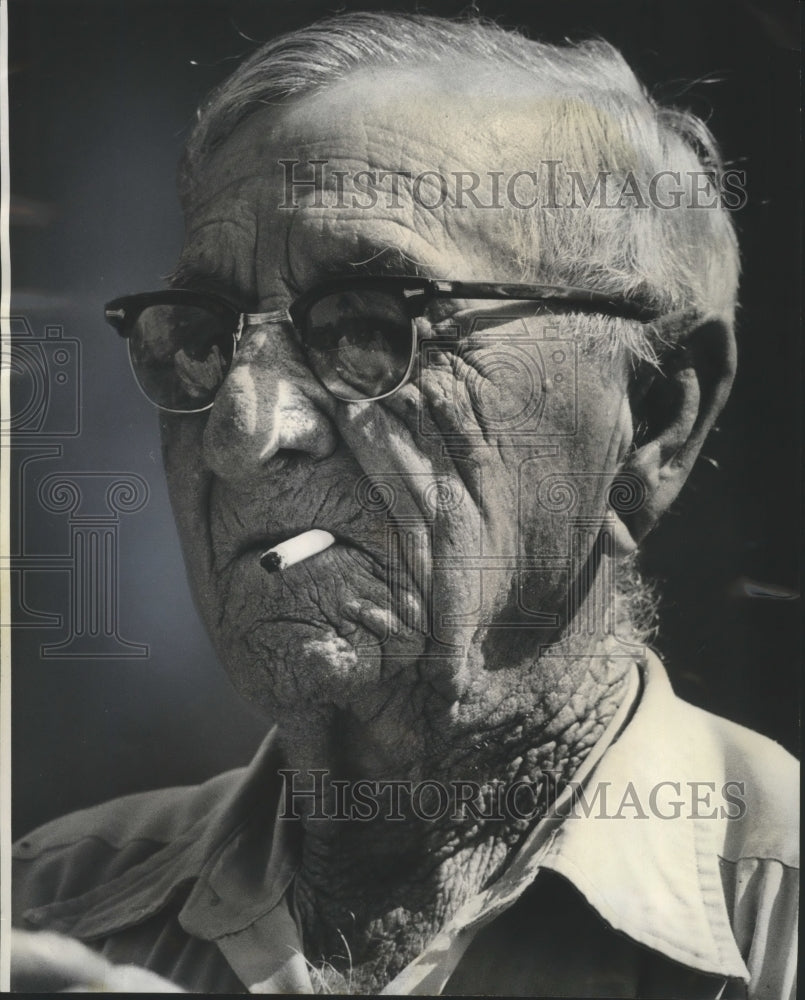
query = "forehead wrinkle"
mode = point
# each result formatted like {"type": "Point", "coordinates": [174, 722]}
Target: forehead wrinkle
{"type": "Point", "coordinates": [451, 156]}
{"type": "Point", "coordinates": [473, 233]}
{"type": "Point", "coordinates": [408, 154]}
{"type": "Point", "coordinates": [226, 187]}
{"type": "Point", "coordinates": [377, 151]}
{"type": "Point", "coordinates": [225, 259]}
{"type": "Point", "coordinates": [432, 237]}
{"type": "Point", "coordinates": [470, 97]}
{"type": "Point", "coordinates": [315, 253]}
{"type": "Point", "coordinates": [299, 132]}
{"type": "Point", "coordinates": [373, 145]}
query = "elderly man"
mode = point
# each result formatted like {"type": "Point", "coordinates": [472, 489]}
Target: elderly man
{"type": "Point", "coordinates": [452, 320]}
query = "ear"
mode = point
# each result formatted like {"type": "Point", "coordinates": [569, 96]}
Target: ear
{"type": "Point", "coordinates": [673, 410]}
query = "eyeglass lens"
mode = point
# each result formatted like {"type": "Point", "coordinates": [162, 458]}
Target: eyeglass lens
{"type": "Point", "coordinates": [358, 343]}
{"type": "Point", "coordinates": [180, 355]}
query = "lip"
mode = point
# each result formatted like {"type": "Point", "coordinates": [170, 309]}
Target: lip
{"type": "Point", "coordinates": [257, 544]}
{"type": "Point", "coordinates": [253, 545]}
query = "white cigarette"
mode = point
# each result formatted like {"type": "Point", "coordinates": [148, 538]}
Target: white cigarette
{"type": "Point", "coordinates": [294, 550]}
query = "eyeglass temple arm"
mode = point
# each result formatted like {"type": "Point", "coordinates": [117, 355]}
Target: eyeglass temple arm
{"type": "Point", "coordinates": [589, 300]}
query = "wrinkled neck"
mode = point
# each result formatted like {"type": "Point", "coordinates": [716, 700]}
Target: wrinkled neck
{"type": "Point", "coordinates": [385, 864]}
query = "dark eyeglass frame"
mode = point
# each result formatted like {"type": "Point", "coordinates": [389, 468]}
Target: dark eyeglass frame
{"type": "Point", "coordinates": [414, 294]}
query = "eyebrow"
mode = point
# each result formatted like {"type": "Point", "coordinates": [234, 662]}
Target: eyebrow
{"type": "Point", "coordinates": [187, 275]}
{"type": "Point", "coordinates": [380, 262]}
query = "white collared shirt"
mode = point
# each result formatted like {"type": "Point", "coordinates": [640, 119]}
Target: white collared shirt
{"type": "Point", "coordinates": [671, 864]}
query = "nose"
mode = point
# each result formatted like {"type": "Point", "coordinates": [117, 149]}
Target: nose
{"type": "Point", "coordinates": [269, 403]}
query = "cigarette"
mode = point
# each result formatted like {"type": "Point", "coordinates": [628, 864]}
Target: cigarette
{"type": "Point", "coordinates": [294, 550]}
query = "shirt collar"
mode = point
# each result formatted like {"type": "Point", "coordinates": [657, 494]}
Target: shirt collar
{"type": "Point", "coordinates": [649, 873]}
{"type": "Point", "coordinates": [654, 879]}
{"type": "Point", "coordinates": [216, 853]}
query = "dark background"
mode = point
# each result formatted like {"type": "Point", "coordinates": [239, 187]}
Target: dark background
{"type": "Point", "coordinates": [102, 95]}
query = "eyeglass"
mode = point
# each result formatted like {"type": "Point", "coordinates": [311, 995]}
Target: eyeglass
{"type": "Point", "coordinates": [358, 334]}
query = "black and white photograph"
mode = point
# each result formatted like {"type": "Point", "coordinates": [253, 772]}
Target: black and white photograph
{"type": "Point", "coordinates": [401, 459]}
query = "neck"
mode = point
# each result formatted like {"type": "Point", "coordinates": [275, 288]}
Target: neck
{"type": "Point", "coordinates": [389, 858]}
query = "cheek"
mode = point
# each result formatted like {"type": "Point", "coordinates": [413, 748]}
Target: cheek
{"type": "Point", "coordinates": [568, 494]}
{"type": "Point", "coordinates": [188, 482]}
{"type": "Point", "coordinates": [182, 444]}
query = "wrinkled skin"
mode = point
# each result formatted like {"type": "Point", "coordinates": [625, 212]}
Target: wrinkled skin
{"type": "Point", "coordinates": [277, 455]}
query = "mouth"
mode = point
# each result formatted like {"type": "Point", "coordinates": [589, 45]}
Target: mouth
{"type": "Point", "coordinates": [297, 549]}
{"type": "Point", "coordinates": [362, 590]}
{"type": "Point", "coordinates": [256, 545]}
{"type": "Point", "coordinates": [379, 560]}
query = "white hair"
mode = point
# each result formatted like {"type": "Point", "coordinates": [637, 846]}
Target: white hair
{"type": "Point", "coordinates": [602, 120]}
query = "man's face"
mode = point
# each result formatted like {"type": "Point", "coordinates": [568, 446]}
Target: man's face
{"type": "Point", "coordinates": [451, 565]}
